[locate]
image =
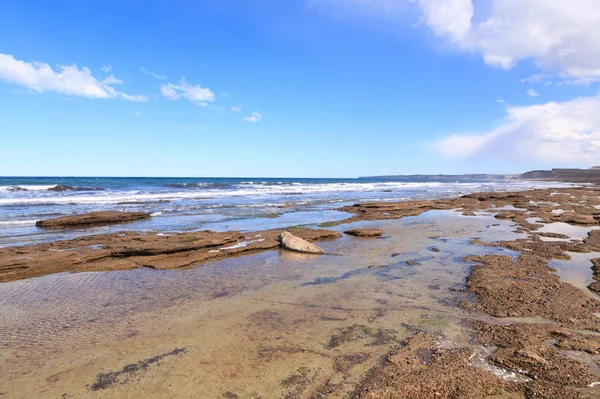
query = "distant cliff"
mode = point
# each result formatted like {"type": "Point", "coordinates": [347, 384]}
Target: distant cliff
{"type": "Point", "coordinates": [591, 175]}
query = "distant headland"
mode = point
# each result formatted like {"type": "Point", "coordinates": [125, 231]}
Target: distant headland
{"type": "Point", "coordinates": [591, 175]}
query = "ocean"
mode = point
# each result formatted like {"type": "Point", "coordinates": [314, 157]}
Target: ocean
{"type": "Point", "coordinates": [219, 204]}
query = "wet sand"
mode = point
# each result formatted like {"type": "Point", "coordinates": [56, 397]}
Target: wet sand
{"type": "Point", "coordinates": [276, 324]}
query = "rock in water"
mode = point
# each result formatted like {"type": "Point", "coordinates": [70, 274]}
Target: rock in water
{"type": "Point", "coordinates": [293, 243]}
{"type": "Point", "coordinates": [92, 219]}
{"type": "Point", "coordinates": [364, 232]}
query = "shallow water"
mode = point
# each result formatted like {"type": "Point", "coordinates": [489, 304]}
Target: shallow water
{"type": "Point", "coordinates": [575, 232]}
{"type": "Point", "coordinates": [262, 325]}
{"type": "Point", "coordinates": [577, 271]}
{"type": "Point", "coordinates": [247, 324]}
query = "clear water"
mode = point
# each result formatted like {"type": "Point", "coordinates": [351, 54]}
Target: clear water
{"type": "Point", "coordinates": [187, 204]}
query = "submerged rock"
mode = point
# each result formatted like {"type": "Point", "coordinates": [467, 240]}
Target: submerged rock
{"type": "Point", "coordinates": [293, 243]}
{"type": "Point", "coordinates": [92, 219]}
{"type": "Point", "coordinates": [365, 232]}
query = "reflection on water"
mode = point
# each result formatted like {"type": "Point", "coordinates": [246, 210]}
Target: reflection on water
{"type": "Point", "coordinates": [575, 232]}
{"type": "Point", "coordinates": [577, 271]}
{"type": "Point", "coordinates": [246, 323]}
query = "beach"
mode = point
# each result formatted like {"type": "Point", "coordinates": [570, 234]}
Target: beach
{"type": "Point", "coordinates": [468, 293]}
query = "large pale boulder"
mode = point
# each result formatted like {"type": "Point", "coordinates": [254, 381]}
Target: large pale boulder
{"type": "Point", "coordinates": [293, 243]}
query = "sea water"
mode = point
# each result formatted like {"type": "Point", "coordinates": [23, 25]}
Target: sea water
{"type": "Point", "coordinates": [189, 204]}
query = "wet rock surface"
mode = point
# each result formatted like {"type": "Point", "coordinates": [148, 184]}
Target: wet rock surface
{"type": "Point", "coordinates": [595, 285]}
{"type": "Point", "coordinates": [421, 369]}
{"type": "Point", "coordinates": [92, 219]}
{"type": "Point", "coordinates": [364, 232]}
{"type": "Point", "coordinates": [130, 250]}
{"type": "Point", "coordinates": [528, 287]}
{"type": "Point", "coordinates": [526, 349]}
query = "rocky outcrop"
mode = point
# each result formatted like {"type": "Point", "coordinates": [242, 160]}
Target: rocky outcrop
{"type": "Point", "coordinates": [130, 250]}
{"type": "Point", "coordinates": [390, 210]}
{"type": "Point", "coordinates": [365, 232]}
{"type": "Point", "coordinates": [92, 219]}
{"type": "Point", "coordinates": [297, 244]}
{"type": "Point", "coordinates": [64, 187]}
{"type": "Point", "coordinates": [13, 189]}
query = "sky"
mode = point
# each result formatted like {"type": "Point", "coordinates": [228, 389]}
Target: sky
{"type": "Point", "coordinates": [297, 88]}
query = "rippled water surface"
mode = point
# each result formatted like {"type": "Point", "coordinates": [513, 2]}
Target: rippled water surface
{"type": "Point", "coordinates": [244, 324]}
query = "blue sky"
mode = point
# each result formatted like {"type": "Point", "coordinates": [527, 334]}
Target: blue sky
{"type": "Point", "coordinates": [302, 88]}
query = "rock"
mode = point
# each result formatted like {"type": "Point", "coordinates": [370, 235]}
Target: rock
{"type": "Point", "coordinates": [575, 218]}
{"type": "Point", "coordinates": [92, 219]}
{"type": "Point", "coordinates": [16, 188]}
{"type": "Point", "coordinates": [129, 250]}
{"type": "Point", "coordinates": [64, 187]}
{"type": "Point", "coordinates": [293, 243]}
{"type": "Point", "coordinates": [364, 232]}
{"type": "Point", "coordinates": [378, 266]}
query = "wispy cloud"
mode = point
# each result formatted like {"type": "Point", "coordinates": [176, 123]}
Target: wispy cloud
{"type": "Point", "coordinates": [137, 113]}
{"type": "Point", "coordinates": [567, 132]}
{"type": "Point", "coordinates": [70, 80]}
{"type": "Point", "coordinates": [254, 117]}
{"type": "Point", "coordinates": [236, 109]}
{"type": "Point", "coordinates": [154, 75]}
{"type": "Point", "coordinates": [532, 93]}
{"type": "Point", "coordinates": [106, 68]}
{"type": "Point", "coordinates": [194, 93]}
{"type": "Point", "coordinates": [111, 80]}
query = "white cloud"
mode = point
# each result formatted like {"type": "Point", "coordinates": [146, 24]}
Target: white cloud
{"type": "Point", "coordinates": [555, 132]}
{"type": "Point", "coordinates": [137, 113]}
{"type": "Point", "coordinates": [154, 75]}
{"type": "Point", "coordinates": [561, 37]}
{"type": "Point", "coordinates": [236, 109]}
{"type": "Point", "coordinates": [111, 80]}
{"type": "Point", "coordinates": [194, 93]}
{"type": "Point", "coordinates": [106, 68]}
{"type": "Point", "coordinates": [448, 17]}
{"type": "Point", "coordinates": [532, 93]}
{"type": "Point", "coordinates": [254, 117]}
{"type": "Point", "coordinates": [70, 80]}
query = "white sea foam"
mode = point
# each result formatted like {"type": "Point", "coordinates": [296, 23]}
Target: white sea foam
{"type": "Point", "coordinates": [26, 187]}
{"type": "Point", "coordinates": [17, 222]}
{"type": "Point", "coordinates": [258, 191]}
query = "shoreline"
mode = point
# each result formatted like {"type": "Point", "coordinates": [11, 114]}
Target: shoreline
{"type": "Point", "coordinates": [514, 302]}
{"type": "Point", "coordinates": [129, 249]}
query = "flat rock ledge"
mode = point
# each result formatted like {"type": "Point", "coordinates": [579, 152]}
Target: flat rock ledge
{"type": "Point", "coordinates": [92, 219]}
{"type": "Point", "coordinates": [365, 232]}
{"type": "Point", "coordinates": [130, 250]}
